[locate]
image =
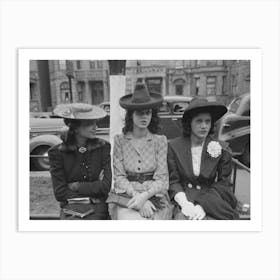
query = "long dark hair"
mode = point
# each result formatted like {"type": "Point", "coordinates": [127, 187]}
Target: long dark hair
{"type": "Point", "coordinates": [186, 123]}
{"type": "Point", "coordinates": [69, 136]}
{"type": "Point", "coordinates": [153, 127]}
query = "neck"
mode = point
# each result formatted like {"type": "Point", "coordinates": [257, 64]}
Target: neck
{"type": "Point", "coordinates": [196, 141]}
{"type": "Point", "coordinates": [139, 132]}
{"type": "Point", "coordinates": [80, 141]}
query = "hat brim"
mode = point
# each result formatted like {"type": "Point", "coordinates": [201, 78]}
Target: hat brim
{"type": "Point", "coordinates": [127, 103]}
{"type": "Point", "coordinates": [215, 110]}
{"type": "Point", "coordinates": [96, 113]}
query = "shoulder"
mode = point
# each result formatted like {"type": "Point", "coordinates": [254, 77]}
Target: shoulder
{"type": "Point", "coordinates": [118, 138]}
{"type": "Point", "coordinates": [160, 138]}
{"type": "Point", "coordinates": [99, 143]}
{"type": "Point", "coordinates": [55, 150]}
{"type": "Point", "coordinates": [176, 141]}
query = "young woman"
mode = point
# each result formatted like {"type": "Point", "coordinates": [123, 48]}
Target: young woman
{"type": "Point", "coordinates": [200, 167]}
{"type": "Point", "coordinates": [140, 161]}
{"type": "Point", "coordinates": [80, 166]}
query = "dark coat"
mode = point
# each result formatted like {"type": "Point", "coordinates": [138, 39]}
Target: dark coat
{"type": "Point", "coordinates": [68, 165]}
{"type": "Point", "coordinates": [212, 188]}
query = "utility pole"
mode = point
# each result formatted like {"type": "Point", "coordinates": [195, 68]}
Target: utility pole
{"type": "Point", "coordinates": [70, 75]}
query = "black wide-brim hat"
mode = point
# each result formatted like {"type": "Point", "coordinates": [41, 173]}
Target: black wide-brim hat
{"type": "Point", "coordinates": [141, 99]}
{"type": "Point", "coordinates": [201, 105]}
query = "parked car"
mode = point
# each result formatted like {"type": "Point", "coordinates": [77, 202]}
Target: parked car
{"type": "Point", "coordinates": [45, 133]}
{"type": "Point", "coordinates": [171, 113]}
{"type": "Point", "coordinates": [234, 127]}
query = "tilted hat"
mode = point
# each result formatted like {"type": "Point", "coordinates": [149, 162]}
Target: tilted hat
{"type": "Point", "coordinates": [141, 98]}
{"type": "Point", "coordinates": [79, 111]}
{"type": "Point", "coordinates": [201, 105]}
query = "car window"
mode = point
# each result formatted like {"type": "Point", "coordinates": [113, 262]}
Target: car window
{"type": "Point", "coordinates": [234, 105]}
{"type": "Point", "coordinates": [180, 107]}
{"type": "Point", "coordinates": [164, 108]}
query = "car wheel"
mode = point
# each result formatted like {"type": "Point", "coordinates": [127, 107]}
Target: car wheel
{"type": "Point", "coordinates": [245, 158]}
{"type": "Point", "coordinates": [41, 163]}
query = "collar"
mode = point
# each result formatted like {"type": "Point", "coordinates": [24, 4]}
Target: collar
{"type": "Point", "coordinates": [92, 144]}
{"type": "Point", "coordinates": [148, 137]}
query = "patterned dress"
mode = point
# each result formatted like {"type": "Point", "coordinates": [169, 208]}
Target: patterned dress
{"type": "Point", "coordinates": [147, 155]}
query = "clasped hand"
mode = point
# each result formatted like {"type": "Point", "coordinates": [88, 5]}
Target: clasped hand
{"type": "Point", "coordinates": [193, 212]}
{"type": "Point", "coordinates": [137, 201]}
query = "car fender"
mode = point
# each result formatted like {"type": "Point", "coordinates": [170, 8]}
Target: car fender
{"type": "Point", "coordinates": [44, 140]}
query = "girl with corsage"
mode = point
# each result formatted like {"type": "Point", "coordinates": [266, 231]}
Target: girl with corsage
{"type": "Point", "coordinates": [200, 167]}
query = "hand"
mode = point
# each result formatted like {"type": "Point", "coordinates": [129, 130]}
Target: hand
{"type": "Point", "coordinates": [199, 213]}
{"type": "Point", "coordinates": [148, 209]}
{"type": "Point", "coordinates": [188, 209]}
{"type": "Point", "coordinates": [74, 186]}
{"type": "Point", "coordinates": [137, 201]}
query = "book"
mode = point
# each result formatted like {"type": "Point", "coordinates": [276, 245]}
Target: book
{"type": "Point", "coordinates": [80, 210]}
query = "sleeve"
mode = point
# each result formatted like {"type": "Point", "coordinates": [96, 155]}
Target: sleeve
{"type": "Point", "coordinates": [122, 185]}
{"type": "Point", "coordinates": [160, 182]}
{"type": "Point", "coordinates": [223, 183]}
{"type": "Point", "coordinates": [99, 188]}
{"type": "Point", "coordinates": [61, 190]}
{"type": "Point", "coordinates": [174, 176]}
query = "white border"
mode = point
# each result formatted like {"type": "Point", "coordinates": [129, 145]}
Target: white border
{"type": "Point", "coordinates": [24, 55]}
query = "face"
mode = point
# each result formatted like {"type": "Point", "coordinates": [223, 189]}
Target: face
{"type": "Point", "coordinates": [142, 119]}
{"type": "Point", "coordinates": [87, 129]}
{"type": "Point", "coordinates": [201, 125]}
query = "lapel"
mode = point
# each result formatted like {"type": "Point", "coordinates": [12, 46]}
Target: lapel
{"type": "Point", "coordinates": [208, 164]}
{"type": "Point", "coordinates": [184, 154]}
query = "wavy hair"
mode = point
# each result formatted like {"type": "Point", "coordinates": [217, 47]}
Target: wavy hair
{"type": "Point", "coordinates": [153, 127]}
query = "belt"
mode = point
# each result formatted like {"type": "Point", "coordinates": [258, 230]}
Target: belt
{"type": "Point", "coordinates": [140, 177]}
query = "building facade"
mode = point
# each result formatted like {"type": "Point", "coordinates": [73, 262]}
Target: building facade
{"type": "Point", "coordinates": [220, 80]}
{"type": "Point", "coordinates": [88, 83]}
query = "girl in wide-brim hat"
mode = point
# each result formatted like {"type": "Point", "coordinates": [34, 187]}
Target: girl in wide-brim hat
{"type": "Point", "coordinates": [140, 161]}
{"type": "Point", "coordinates": [200, 166]}
{"type": "Point", "coordinates": [80, 166]}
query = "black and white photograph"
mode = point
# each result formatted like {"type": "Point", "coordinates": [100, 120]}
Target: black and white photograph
{"type": "Point", "coordinates": [140, 139]}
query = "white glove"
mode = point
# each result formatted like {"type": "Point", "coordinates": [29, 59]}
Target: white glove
{"type": "Point", "coordinates": [199, 212]}
{"type": "Point", "coordinates": [187, 208]}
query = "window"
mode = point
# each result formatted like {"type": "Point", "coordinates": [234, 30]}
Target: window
{"type": "Point", "coordinates": [65, 92]}
{"type": "Point", "coordinates": [80, 89]}
{"type": "Point", "coordinates": [179, 107]}
{"type": "Point", "coordinates": [92, 64]}
{"type": "Point", "coordinates": [179, 89]}
{"type": "Point", "coordinates": [154, 84]}
{"type": "Point", "coordinates": [211, 86]}
{"type": "Point", "coordinates": [179, 86]}
{"type": "Point", "coordinates": [164, 108]}
{"type": "Point", "coordinates": [78, 64]}
{"type": "Point", "coordinates": [62, 64]}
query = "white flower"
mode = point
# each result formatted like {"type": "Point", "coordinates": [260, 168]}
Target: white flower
{"type": "Point", "coordinates": [214, 149]}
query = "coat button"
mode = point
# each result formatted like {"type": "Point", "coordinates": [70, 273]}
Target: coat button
{"type": "Point", "coordinates": [198, 187]}
{"type": "Point", "coordinates": [85, 177]}
{"type": "Point", "coordinates": [139, 168]}
{"type": "Point", "coordinates": [86, 167]}
{"type": "Point", "coordinates": [190, 185]}
{"type": "Point", "coordinates": [139, 161]}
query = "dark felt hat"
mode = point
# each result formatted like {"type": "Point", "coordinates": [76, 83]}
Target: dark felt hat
{"type": "Point", "coordinates": [141, 98]}
{"type": "Point", "coordinates": [201, 105]}
{"type": "Point", "coordinates": [79, 111]}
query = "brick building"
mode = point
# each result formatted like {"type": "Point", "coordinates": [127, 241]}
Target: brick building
{"type": "Point", "coordinates": [214, 79]}
{"type": "Point", "coordinates": [89, 84]}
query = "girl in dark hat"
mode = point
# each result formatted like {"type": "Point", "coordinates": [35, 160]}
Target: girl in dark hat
{"type": "Point", "coordinates": [140, 161]}
{"type": "Point", "coordinates": [200, 167]}
{"type": "Point", "coordinates": [80, 166]}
